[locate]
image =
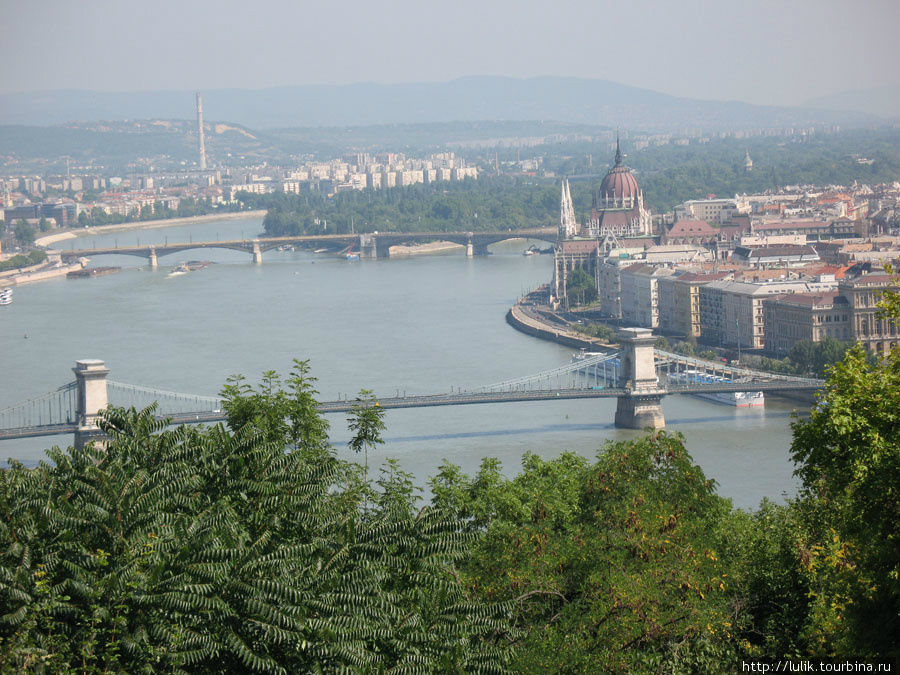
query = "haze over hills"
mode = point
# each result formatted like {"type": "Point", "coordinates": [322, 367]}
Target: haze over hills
{"type": "Point", "coordinates": [883, 101]}
{"type": "Point", "coordinates": [566, 99]}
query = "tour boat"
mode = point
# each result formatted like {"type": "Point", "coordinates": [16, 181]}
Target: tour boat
{"type": "Point", "coordinates": [739, 399]}
{"type": "Point", "coordinates": [6, 296]}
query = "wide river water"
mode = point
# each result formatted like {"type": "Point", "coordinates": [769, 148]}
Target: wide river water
{"type": "Point", "coordinates": [416, 325]}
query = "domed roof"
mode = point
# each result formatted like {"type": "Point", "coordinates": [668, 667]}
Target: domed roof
{"type": "Point", "coordinates": [620, 182]}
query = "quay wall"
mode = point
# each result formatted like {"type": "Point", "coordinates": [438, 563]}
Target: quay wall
{"type": "Point", "coordinates": [148, 225]}
{"type": "Point", "coordinates": [516, 318]}
{"type": "Point", "coordinates": [43, 275]}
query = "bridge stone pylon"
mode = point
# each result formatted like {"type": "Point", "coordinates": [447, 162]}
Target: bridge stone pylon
{"type": "Point", "coordinates": [640, 407]}
{"type": "Point", "coordinates": [90, 379]}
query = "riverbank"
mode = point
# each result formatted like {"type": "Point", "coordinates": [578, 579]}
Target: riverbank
{"type": "Point", "coordinates": [430, 248]}
{"type": "Point", "coordinates": [145, 225]}
{"type": "Point", "coordinates": [528, 323]}
{"type": "Point", "coordinates": [45, 271]}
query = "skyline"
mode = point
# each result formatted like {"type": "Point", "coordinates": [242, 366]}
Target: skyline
{"type": "Point", "coordinates": [766, 53]}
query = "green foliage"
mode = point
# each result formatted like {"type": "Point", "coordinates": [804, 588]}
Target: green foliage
{"type": "Point", "coordinates": [366, 421]}
{"type": "Point", "coordinates": [186, 208]}
{"type": "Point", "coordinates": [769, 580]}
{"type": "Point", "coordinates": [613, 567]}
{"type": "Point", "coordinates": [247, 548]}
{"type": "Point", "coordinates": [601, 331]}
{"type": "Point", "coordinates": [817, 357]}
{"type": "Point", "coordinates": [581, 286]}
{"type": "Point", "coordinates": [848, 457]}
{"type": "Point", "coordinates": [34, 257]}
{"type": "Point", "coordinates": [490, 203]}
{"type": "Point", "coordinates": [24, 232]}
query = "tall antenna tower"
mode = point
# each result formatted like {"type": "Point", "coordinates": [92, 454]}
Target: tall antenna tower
{"type": "Point", "coordinates": [200, 132]}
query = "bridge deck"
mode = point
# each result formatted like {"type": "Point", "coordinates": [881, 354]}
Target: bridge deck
{"type": "Point", "coordinates": [463, 398]}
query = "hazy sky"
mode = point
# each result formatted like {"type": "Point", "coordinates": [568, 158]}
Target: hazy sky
{"type": "Point", "coordinates": [762, 51]}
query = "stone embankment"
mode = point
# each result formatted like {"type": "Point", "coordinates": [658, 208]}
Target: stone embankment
{"type": "Point", "coordinates": [528, 323]}
{"type": "Point", "coordinates": [51, 269]}
{"type": "Point", "coordinates": [146, 225]}
{"type": "Point", "coordinates": [430, 248]}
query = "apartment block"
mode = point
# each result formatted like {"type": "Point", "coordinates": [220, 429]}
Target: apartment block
{"type": "Point", "coordinates": [679, 301]}
{"type": "Point", "coordinates": [788, 319]}
{"type": "Point", "coordinates": [862, 294]}
{"type": "Point", "coordinates": [731, 312]}
{"type": "Point", "coordinates": [640, 294]}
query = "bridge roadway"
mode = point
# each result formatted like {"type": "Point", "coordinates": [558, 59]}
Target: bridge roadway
{"type": "Point", "coordinates": [435, 400]}
{"type": "Point", "coordinates": [376, 244]}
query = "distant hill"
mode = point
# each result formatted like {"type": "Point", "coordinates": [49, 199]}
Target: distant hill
{"type": "Point", "coordinates": [882, 101]}
{"type": "Point", "coordinates": [583, 101]}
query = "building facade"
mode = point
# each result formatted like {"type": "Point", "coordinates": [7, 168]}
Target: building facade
{"type": "Point", "coordinates": [791, 318]}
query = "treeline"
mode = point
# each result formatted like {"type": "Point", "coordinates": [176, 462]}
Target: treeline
{"type": "Point", "coordinates": [670, 174]}
{"type": "Point", "coordinates": [31, 258]}
{"type": "Point", "coordinates": [186, 208]}
{"type": "Point", "coordinates": [250, 547]}
{"type": "Point", "coordinates": [489, 203]}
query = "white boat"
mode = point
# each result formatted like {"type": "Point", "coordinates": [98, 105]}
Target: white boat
{"type": "Point", "coordinates": [583, 354]}
{"type": "Point", "coordinates": [353, 256]}
{"type": "Point", "coordinates": [739, 399]}
{"type": "Point", "coordinates": [179, 270]}
{"type": "Point", "coordinates": [6, 296]}
{"type": "Point", "coordinates": [321, 250]}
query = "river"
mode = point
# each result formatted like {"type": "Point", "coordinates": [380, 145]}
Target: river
{"type": "Point", "coordinates": [415, 325]}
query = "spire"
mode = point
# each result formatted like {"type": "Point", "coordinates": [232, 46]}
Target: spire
{"type": "Point", "coordinates": [567, 225]}
{"type": "Point", "coordinates": [618, 151]}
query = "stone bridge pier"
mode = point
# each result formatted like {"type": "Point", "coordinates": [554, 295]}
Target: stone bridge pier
{"type": "Point", "coordinates": [640, 407]}
{"type": "Point", "coordinates": [90, 379]}
{"type": "Point", "coordinates": [257, 252]}
{"type": "Point", "coordinates": [474, 248]}
{"type": "Point", "coordinates": [370, 249]}
{"type": "Point", "coordinates": [154, 261]}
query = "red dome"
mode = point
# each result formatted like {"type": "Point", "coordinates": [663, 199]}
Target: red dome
{"type": "Point", "coordinates": [619, 183]}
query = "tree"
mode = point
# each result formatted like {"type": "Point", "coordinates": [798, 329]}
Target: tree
{"type": "Point", "coordinates": [581, 286]}
{"type": "Point", "coordinates": [239, 548]}
{"type": "Point", "coordinates": [613, 567]}
{"type": "Point", "coordinates": [366, 421]}
{"type": "Point", "coordinates": [848, 456]}
{"type": "Point", "coordinates": [24, 232]}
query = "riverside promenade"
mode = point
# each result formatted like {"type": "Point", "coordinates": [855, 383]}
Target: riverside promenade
{"type": "Point", "coordinates": [527, 317]}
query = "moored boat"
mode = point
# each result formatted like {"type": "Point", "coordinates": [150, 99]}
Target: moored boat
{"type": "Point", "coordinates": [6, 296]}
{"type": "Point", "coordinates": [739, 399]}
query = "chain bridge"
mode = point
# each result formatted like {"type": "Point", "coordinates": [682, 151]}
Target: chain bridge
{"type": "Point", "coordinates": [637, 375]}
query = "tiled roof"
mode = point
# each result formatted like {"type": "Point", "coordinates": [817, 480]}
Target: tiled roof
{"type": "Point", "coordinates": [812, 299]}
{"type": "Point", "coordinates": [691, 228]}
